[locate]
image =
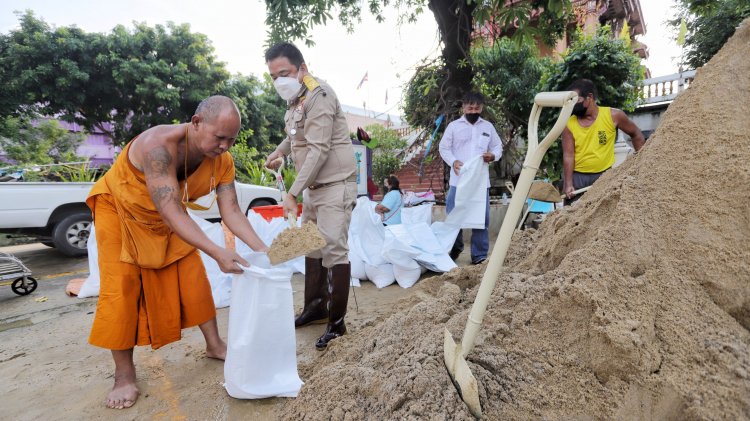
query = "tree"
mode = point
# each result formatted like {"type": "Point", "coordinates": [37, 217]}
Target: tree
{"type": "Point", "coordinates": [613, 67]}
{"type": "Point", "coordinates": [44, 143]}
{"type": "Point", "coordinates": [456, 21]}
{"type": "Point", "coordinates": [385, 159]}
{"type": "Point", "coordinates": [272, 109]}
{"type": "Point", "coordinates": [132, 79]}
{"type": "Point", "coordinates": [709, 25]}
{"type": "Point", "coordinates": [125, 81]}
{"type": "Point", "coordinates": [508, 74]}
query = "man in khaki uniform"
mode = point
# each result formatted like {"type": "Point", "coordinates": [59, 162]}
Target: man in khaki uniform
{"type": "Point", "coordinates": [318, 140]}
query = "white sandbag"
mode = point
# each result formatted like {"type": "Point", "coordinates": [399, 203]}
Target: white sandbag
{"type": "Point", "coordinates": [446, 234]}
{"type": "Point", "coordinates": [397, 247]}
{"type": "Point", "coordinates": [90, 287]}
{"type": "Point", "coordinates": [471, 195]}
{"type": "Point", "coordinates": [436, 262]}
{"type": "Point", "coordinates": [407, 277]}
{"type": "Point", "coordinates": [380, 275]}
{"type": "Point", "coordinates": [261, 351]}
{"type": "Point", "coordinates": [221, 283]}
{"type": "Point", "coordinates": [357, 267]}
{"type": "Point", "coordinates": [416, 214]}
{"type": "Point", "coordinates": [419, 242]}
{"type": "Point", "coordinates": [366, 232]}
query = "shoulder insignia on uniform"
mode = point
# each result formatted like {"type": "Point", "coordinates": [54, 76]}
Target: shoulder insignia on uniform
{"type": "Point", "coordinates": [310, 82]}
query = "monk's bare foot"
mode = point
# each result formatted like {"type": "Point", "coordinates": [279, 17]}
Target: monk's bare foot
{"type": "Point", "coordinates": [123, 394]}
{"type": "Point", "coordinates": [217, 350]}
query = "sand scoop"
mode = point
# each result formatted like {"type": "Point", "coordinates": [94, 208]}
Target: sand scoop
{"type": "Point", "coordinates": [294, 241]}
{"type": "Point", "coordinates": [455, 355]}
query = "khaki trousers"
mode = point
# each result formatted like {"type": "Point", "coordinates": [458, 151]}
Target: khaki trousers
{"type": "Point", "coordinates": [331, 209]}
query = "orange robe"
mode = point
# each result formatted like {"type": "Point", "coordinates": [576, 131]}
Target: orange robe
{"type": "Point", "coordinates": [153, 284]}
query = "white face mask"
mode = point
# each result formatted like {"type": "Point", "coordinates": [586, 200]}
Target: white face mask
{"type": "Point", "coordinates": [287, 87]}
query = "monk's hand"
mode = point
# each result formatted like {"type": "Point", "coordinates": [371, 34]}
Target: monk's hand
{"type": "Point", "coordinates": [488, 157]}
{"type": "Point", "coordinates": [229, 261]}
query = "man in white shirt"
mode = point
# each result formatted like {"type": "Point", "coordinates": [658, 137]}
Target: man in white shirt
{"type": "Point", "coordinates": [464, 139]}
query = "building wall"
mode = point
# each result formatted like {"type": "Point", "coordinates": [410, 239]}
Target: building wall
{"type": "Point", "coordinates": [97, 147]}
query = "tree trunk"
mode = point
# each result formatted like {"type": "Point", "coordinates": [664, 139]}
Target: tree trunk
{"type": "Point", "coordinates": [455, 23]}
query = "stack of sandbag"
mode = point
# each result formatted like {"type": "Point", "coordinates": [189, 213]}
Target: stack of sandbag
{"type": "Point", "coordinates": [396, 253]}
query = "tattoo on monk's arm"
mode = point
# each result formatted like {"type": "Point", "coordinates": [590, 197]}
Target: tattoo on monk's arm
{"type": "Point", "coordinates": [157, 162]}
{"type": "Point", "coordinates": [224, 187]}
{"type": "Point", "coordinates": [161, 195]}
{"type": "Point", "coordinates": [228, 188]}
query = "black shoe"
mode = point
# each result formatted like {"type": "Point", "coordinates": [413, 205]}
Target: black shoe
{"type": "Point", "coordinates": [311, 317]}
{"type": "Point", "coordinates": [455, 253]}
{"type": "Point", "coordinates": [332, 332]}
{"type": "Point", "coordinates": [479, 261]}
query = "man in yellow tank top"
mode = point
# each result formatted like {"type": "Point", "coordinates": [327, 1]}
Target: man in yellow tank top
{"type": "Point", "coordinates": [588, 140]}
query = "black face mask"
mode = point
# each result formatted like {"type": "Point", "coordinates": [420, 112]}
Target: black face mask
{"type": "Point", "coordinates": [579, 110]}
{"type": "Point", "coordinates": [472, 117]}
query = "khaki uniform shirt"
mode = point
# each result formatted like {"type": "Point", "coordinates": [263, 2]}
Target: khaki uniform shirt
{"type": "Point", "coordinates": [317, 137]}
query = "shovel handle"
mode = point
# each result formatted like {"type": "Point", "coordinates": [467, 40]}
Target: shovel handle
{"type": "Point", "coordinates": [292, 218]}
{"type": "Point", "coordinates": [281, 165]}
{"type": "Point", "coordinates": [575, 192]}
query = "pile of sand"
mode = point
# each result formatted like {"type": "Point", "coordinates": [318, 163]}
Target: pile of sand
{"type": "Point", "coordinates": [633, 304]}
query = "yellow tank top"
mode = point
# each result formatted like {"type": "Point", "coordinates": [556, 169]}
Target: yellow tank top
{"type": "Point", "coordinates": [595, 145]}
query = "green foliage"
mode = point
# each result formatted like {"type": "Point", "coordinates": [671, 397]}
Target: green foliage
{"type": "Point", "coordinates": [271, 114]}
{"type": "Point", "coordinates": [289, 174]}
{"type": "Point", "coordinates": [507, 73]}
{"type": "Point", "coordinates": [44, 143]}
{"type": "Point", "coordinates": [456, 21]}
{"type": "Point", "coordinates": [385, 159]}
{"type": "Point", "coordinates": [133, 78]}
{"type": "Point", "coordinates": [609, 63]}
{"type": "Point", "coordinates": [293, 19]}
{"type": "Point", "coordinates": [422, 101]}
{"type": "Point", "coordinates": [709, 25]}
{"type": "Point", "coordinates": [246, 161]}
{"type": "Point", "coordinates": [77, 173]}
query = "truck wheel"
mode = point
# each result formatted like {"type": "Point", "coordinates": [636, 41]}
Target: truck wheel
{"type": "Point", "coordinates": [259, 202]}
{"type": "Point", "coordinates": [71, 234]}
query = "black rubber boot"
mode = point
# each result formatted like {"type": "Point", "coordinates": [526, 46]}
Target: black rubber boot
{"type": "Point", "coordinates": [316, 290]}
{"type": "Point", "coordinates": [338, 298]}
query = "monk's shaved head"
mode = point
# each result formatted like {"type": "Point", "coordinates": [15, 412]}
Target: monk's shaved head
{"type": "Point", "coordinates": [214, 106]}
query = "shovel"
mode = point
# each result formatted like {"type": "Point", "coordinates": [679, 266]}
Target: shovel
{"type": "Point", "coordinates": [455, 355]}
{"type": "Point", "coordinates": [277, 176]}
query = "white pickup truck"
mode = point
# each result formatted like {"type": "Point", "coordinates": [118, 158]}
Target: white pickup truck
{"type": "Point", "coordinates": [57, 214]}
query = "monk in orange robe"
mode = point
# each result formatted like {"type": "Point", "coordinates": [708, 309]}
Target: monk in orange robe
{"type": "Point", "coordinates": [153, 283]}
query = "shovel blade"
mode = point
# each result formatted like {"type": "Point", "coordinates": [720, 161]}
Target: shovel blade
{"type": "Point", "coordinates": [461, 376]}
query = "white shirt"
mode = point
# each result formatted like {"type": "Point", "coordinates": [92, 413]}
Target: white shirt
{"type": "Point", "coordinates": [463, 141]}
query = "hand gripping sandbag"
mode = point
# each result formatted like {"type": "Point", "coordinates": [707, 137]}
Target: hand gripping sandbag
{"type": "Point", "coordinates": [261, 351]}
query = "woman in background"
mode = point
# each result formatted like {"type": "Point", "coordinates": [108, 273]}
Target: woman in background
{"type": "Point", "coordinates": [390, 206]}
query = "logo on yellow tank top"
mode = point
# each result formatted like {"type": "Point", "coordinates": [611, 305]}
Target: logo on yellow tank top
{"type": "Point", "coordinates": [602, 137]}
